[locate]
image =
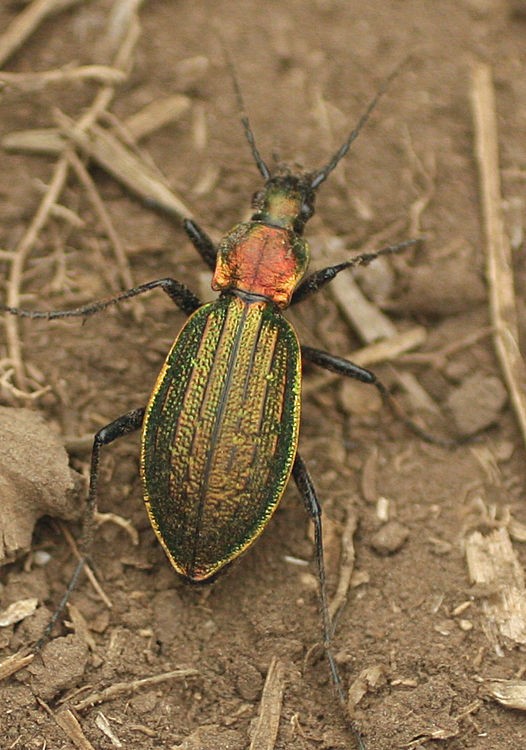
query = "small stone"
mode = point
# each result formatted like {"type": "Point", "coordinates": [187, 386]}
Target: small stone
{"type": "Point", "coordinates": [390, 538]}
{"type": "Point", "coordinates": [249, 682]}
{"type": "Point", "coordinates": [476, 403]}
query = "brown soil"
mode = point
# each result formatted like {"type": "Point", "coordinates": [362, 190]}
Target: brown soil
{"type": "Point", "coordinates": [412, 610]}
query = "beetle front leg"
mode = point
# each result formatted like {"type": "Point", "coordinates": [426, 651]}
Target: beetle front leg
{"type": "Point", "coordinates": [120, 427]}
{"type": "Point", "coordinates": [202, 242]}
{"type": "Point", "coordinates": [318, 279]}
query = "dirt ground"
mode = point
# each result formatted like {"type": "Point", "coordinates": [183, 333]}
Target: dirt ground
{"type": "Point", "coordinates": [413, 618]}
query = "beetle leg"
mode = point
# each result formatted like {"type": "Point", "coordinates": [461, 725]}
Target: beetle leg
{"type": "Point", "coordinates": [310, 499]}
{"type": "Point", "coordinates": [202, 242]}
{"type": "Point", "coordinates": [308, 495]}
{"type": "Point", "coordinates": [350, 370]}
{"type": "Point", "coordinates": [178, 293]}
{"type": "Point", "coordinates": [121, 426]}
{"type": "Point", "coordinates": [318, 279]}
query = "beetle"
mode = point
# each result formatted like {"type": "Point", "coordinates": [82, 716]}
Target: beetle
{"type": "Point", "coordinates": [220, 430]}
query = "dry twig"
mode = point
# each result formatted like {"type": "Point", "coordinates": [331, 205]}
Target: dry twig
{"type": "Point", "coordinates": [89, 573]}
{"type": "Point", "coordinates": [499, 269]}
{"type": "Point", "coordinates": [123, 688]}
{"type": "Point", "coordinates": [347, 557]}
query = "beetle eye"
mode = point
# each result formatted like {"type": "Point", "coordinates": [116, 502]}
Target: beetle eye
{"type": "Point", "coordinates": [257, 198]}
{"type": "Point", "coordinates": [306, 211]}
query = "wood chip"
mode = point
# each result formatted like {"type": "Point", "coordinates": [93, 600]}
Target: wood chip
{"type": "Point", "coordinates": [72, 729]}
{"type": "Point", "coordinates": [493, 565]}
{"type": "Point", "coordinates": [14, 664]}
{"type": "Point", "coordinates": [18, 611]}
{"type": "Point", "coordinates": [509, 693]}
{"type": "Point", "coordinates": [267, 725]}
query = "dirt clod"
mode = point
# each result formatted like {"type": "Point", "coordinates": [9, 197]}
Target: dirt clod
{"type": "Point", "coordinates": [61, 664]}
{"type": "Point", "coordinates": [35, 479]}
{"type": "Point", "coordinates": [213, 737]}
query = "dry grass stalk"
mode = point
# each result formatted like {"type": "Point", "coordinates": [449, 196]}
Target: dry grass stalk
{"type": "Point", "coordinates": [156, 115]}
{"type": "Point", "coordinates": [499, 269]}
{"type": "Point", "coordinates": [101, 101]}
{"type": "Point", "coordinates": [267, 725]}
{"type": "Point", "coordinates": [105, 727]}
{"type": "Point", "coordinates": [138, 177]}
{"type": "Point", "coordinates": [16, 269]}
{"type": "Point", "coordinates": [28, 21]}
{"type": "Point", "coordinates": [372, 325]}
{"type": "Point", "coordinates": [31, 81]}
{"type": "Point", "coordinates": [347, 557]}
{"type": "Point", "coordinates": [89, 573]}
{"type": "Point", "coordinates": [104, 218]}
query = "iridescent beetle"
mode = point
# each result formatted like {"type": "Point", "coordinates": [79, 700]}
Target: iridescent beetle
{"type": "Point", "coordinates": [220, 431]}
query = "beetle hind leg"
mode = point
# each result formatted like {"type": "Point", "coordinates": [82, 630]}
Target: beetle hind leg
{"type": "Point", "coordinates": [120, 427]}
{"type": "Point", "coordinates": [308, 495]}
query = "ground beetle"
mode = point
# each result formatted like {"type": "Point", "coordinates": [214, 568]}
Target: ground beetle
{"type": "Point", "coordinates": [220, 432]}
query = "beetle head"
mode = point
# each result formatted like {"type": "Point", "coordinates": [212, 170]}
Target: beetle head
{"type": "Point", "coordinates": [286, 200]}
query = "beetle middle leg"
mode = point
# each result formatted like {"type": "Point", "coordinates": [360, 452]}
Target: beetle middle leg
{"type": "Point", "coordinates": [308, 495]}
{"type": "Point", "coordinates": [123, 425]}
{"type": "Point", "coordinates": [183, 297]}
{"type": "Point", "coordinates": [350, 370]}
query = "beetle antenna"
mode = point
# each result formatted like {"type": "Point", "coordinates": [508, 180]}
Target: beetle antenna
{"type": "Point", "coordinates": [322, 174]}
{"type": "Point", "coordinates": [265, 171]}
